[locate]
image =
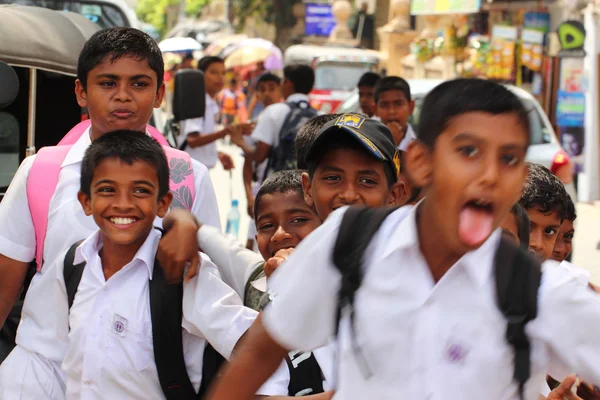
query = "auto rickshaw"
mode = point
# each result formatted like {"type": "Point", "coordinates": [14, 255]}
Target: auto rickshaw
{"type": "Point", "coordinates": [42, 46]}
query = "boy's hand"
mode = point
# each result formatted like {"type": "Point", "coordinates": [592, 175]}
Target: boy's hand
{"type": "Point", "coordinates": [226, 160]}
{"type": "Point", "coordinates": [237, 136]}
{"type": "Point", "coordinates": [274, 262]}
{"type": "Point", "coordinates": [398, 131]}
{"type": "Point", "coordinates": [178, 248]}
{"type": "Point", "coordinates": [563, 391]}
{"type": "Point", "coordinates": [247, 128]}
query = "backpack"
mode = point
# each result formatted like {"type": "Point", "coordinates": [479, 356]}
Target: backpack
{"type": "Point", "coordinates": [517, 276]}
{"type": "Point", "coordinates": [44, 173]}
{"type": "Point", "coordinates": [166, 311]}
{"type": "Point", "coordinates": [283, 157]}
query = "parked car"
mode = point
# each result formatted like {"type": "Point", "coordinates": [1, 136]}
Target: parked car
{"type": "Point", "coordinates": [545, 148]}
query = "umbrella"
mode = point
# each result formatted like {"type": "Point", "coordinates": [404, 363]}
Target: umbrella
{"type": "Point", "coordinates": [220, 43]}
{"type": "Point", "coordinates": [179, 44]}
{"type": "Point", "coordinates": [252, 51]}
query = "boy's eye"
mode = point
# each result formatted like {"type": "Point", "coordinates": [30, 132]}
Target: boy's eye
{"type": "Point", "coordinates": [510, 160]}
{"type": "Point", "coordinates": [469, 151]}
{"type": "Point", "coordinates": [140, 84]}
{"type": "Point", "coordinates": [568, 237]}
{"type": "Point", "coordinates": [331, 178]}
{"type": "Point", "coordinates": [107, 83]}
{"type": "Point", "coordinates": [299, 220]}
{"type": "Point", "coordinates": [550, 231]}
{"type": "Point", "coordinates": [265, 226]}
{"type": "Point", "coordinates": [141, 191]}
{"type": "Point", "coordinates": [105, 189]}
{"type": "Point", "coordinates": [368, 181]}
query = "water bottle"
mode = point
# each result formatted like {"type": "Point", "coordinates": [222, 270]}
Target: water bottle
{"type": "Point", "coordinates": [233, 220]}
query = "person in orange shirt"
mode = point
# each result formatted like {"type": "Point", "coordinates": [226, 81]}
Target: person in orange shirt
{"type": "Point", "coordinates": [232, 102]}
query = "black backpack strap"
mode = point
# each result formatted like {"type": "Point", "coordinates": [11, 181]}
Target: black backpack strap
{"type": "Point", "coordinates": [358, 227]}
{"type": "Point", "coordinates": [166, 310]}
{"type": "Point", "coordinates": [518, 277]}
{"type": "Point", "coordinates": [72, 273]}
{"type": "Point", "coordinates": [306, 377]}
{"type": "Point", "coordinates": [211, 365]}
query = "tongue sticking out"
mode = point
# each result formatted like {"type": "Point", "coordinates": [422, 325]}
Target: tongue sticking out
{"type": "Point", "coordinates": [474, 226]}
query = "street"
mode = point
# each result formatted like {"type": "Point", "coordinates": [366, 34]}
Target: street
{"type": "Point", "coordinates": [587, 235]}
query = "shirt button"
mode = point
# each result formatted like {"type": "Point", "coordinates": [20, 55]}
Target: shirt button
{"type": "Point", "coordinates": [88, 382]}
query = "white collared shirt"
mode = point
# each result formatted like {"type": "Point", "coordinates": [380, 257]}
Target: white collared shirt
{"type": "Point", "coordinates": [408, 137]}
{"type": "Point", "coordinates": [207, 154]}
{"type": "Point", "coordinates": [420, 338]}
{"type": "Point", "coordinates": [67, 224]}
{"type": "Point", "coordinates": [111, 353]}
{"type": "Point", "coordinates": [271, 120]}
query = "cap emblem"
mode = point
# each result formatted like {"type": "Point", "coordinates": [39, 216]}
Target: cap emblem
{"type": "Point", "coordinates": [350, 120]}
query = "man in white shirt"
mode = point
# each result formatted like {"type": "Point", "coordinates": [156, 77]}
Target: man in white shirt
{"type": "Point", "coordinates": [394, 106]}
{"type": "Point", "coordinates": [298, 81]}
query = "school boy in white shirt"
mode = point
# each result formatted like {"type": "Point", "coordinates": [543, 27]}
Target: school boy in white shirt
{"type": "Point", "coordinates": [120, 75]}
{"type": "Point", "coordinates": [111, 354]}
{"type": "Point", "coordinates": [394, 106]}
{"type": "Point", "coordinates": [426, 319]}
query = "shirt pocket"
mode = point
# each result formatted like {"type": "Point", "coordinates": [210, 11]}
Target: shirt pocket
{"type": "Point", "coordinates": [131, 347]}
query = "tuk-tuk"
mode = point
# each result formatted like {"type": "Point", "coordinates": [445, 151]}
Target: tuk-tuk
{"type": "Point", "coordinates": [42, 46]}
{"type": "Point", "coordinates": [337, 70]}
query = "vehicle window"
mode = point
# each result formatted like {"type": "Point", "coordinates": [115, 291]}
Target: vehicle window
{"type": "Point", "coordinates": [9, 147]}
{"type": "Point", "coordinates": [338, 76]}
{"type": "Point", "coordinates": [349, 105]}
{"type": "Point", "coordinates": [540, 133]}
{"type": "Point", "coordinates": [104, 15]}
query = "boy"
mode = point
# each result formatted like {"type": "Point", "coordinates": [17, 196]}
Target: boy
{"type": "Point", "coordinates": [366, 98]}
{"type": "Point", "coordinates": [394, 106]}
{"type": "Point", "coordinates": [564, 241]}
{"type": "Point", "coordinates": [434, 263]}
{"type": "Point", "coordinates": [298, 81]}
{"type": "Point", "coordinates": [125, 187]}
{"type": "Point", "coordinates": [120, 76]}
{"type": "Point", "coordinates": [198, 136]}
{"type": "Point", "coordinates": [545, 200]}
{"type": "Point", "coordinates": [232, 102]}
{"type": "Point", "coordinates": [267, 92]}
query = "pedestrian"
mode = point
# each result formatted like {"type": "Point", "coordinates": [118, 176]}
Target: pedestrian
{"type": "Point", "coordinates": [232, 103]}
{"type": "Point", "coordinates": [366, 93]}
{"type": "Point", "coordinates": [112, 314]}
{"type": "Point", "coordinates": [119, 80]}
{"type": "Point", "coordinates": [394, 106]}
{"type": "Point", "coordinates": [436, 264]}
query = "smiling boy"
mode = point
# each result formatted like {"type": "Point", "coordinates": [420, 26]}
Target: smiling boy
{"type": "Point", "coordinates": [120, 81]}
{"type": "Point", "coordinates": [435, 264]}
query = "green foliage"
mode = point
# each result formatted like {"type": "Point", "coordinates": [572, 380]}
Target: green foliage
{"type": "Point", "coordinates": [155, 11]}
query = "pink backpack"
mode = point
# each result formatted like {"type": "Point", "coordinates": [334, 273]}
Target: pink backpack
{"type": "Point", "coordinates": [43, 179]}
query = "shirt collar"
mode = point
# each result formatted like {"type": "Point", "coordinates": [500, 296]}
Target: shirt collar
{"type": "Point", "coordinates": [75, 155]}
{"type": "Point", "coordinates": [297, 97]}
{"type": "Point", "coordinates": [409, 137]}
{"type": "Point", "coordinates": [478, 263]}
{"type": "Point", "coordinates": [210, 101]}
{"type": "Point", "coordinates": [91, 246]}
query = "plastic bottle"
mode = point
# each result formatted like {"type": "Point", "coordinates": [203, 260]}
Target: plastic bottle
{"type": "Point", "coordinates": [233, 220]}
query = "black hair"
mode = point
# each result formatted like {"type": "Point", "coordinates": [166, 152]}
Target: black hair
{"type": "Point", "coordinates": [523, 224]}
{"type": "Point", "coordinates": [188, 56]}
{"type": "Point", "coordinates": [570, 212]}
{"type": "Point", "coordinates": [127, 146]}
{"type": "Point", "coordinates": [116, 43]}
{"type": "Point", "coordinates": [369, 79]}
{"type": "Point", "coordinates": [336, 142]}
{"type": "Point", "coordinates": [307, 134]}
{"type": "Point", "coordinates": [391, 83]}
{"type": "Point", "coordinates": [268, 77]}
{"type": "Point", "coordinates": [302, 76]}
{"type": "Point", "coordinates": [233, 81]}
{"type": "Point", "coordinates": [207, 61]}
{"type": "Point", "coordinates": [280, 182]}
{"type": "Point", "coordinates": [460, 96]}
{"type": "Point", "coordinates": [544, 192]}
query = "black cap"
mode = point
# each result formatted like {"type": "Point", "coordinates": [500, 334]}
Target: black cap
{"type": "Point", "coordinates": [372, 134]}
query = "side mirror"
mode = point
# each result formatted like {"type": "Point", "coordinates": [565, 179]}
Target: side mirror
{"type": "Point", "coordinates": [189, 95]}
{"type": "Point", "coordinates": [9, 85]}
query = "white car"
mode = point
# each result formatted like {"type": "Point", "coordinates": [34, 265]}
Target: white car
{"type": "Point", "coordinates": [545, 148]}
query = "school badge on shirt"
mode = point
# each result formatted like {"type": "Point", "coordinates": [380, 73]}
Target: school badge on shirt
{"type": "Point", "coordinates": [119, 326]}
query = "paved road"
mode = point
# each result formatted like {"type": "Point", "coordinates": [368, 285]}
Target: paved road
{"type": "Point", "coordinates": [587, 236]}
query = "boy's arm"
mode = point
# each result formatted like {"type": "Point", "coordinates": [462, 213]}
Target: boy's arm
{"type": "Point", "coordinates": [213, 310]}
{"type": "Point", "coordinates": [260, 355]}
{"type": "Point", "coordinates": [234, 262]}
{"type": "Point", "coordinates": [247, 176]}
{"type": "Point", "coordinates": [17, 239]}
{"type": "Point", "coordinates": [177, 249]}
{"type": "Point", "coordinates": [262, 136]}
{"type": "Point", "coordinates": [197, 139]}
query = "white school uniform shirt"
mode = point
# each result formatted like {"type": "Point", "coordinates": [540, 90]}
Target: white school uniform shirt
{"type": "Point", "coordinates": [408, 137]}
{"type": "Point", "coordinates": [207, 154]}
{"type": "Point", "coordinates": [271, 120]}
{"type": "Point", "coordinates": [422, 339]}
{"type": "Point", "coordinates": [67, 224]}
{"type": "Point", "coordinates": [111, 352]}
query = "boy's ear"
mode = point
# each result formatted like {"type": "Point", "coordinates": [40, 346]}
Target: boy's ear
{"type": "Point", "coordinates": [307, 186]}
{"type": "Point", "coordinates": [86, 203]}
{"type": "Point", "coordinates": [397, 195]}
{"type": "Point", "coordinates": [411, 107]}
{"type": "Point", "coordinates": [419, 164]}
{"type": "Point", "coordinates": [163, 204]}
{"type": "Point", "coordinates": [80, 94]}
{"type": "Point", "coordinates": [159, 96]}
